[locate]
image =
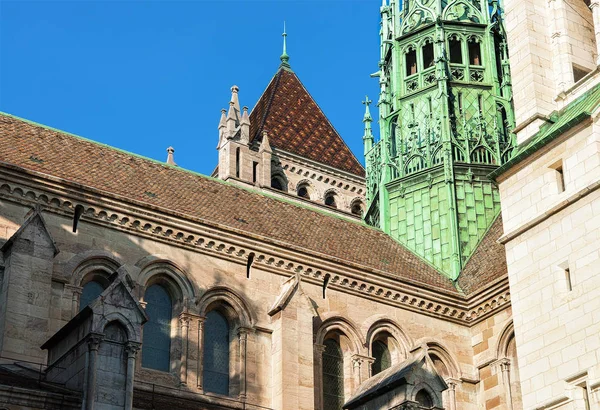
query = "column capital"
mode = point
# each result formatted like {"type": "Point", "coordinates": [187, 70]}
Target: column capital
{"type": "Point", "coordinates": [132, 348]}
{"type": "Point", "coordinates": [94, 340]}
{"type": "Point", "coordinates": [243, 332]}
{"type": "Point", "coordinates": [185, 319]}
{"type": "Point", "coordinates": [319, 349]}
{"type": "Point", "coordinates": [452, 383]}
{"type": "Point", "coordinates": [74, 288]}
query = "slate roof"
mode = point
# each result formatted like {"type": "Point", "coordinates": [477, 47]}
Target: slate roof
{"type": "Point", "coordinates": [487, 263]}
{"type": "Point", "coordinates": [296, 124]}
{"type": "Point", "coordinates": [211, 202]}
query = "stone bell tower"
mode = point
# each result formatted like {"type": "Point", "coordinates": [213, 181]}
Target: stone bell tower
{"type": "Point", "coordinates": [445, 108]}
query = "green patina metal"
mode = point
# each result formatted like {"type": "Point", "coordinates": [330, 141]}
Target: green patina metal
{"type": "Point", "coordinates": [445, 119]}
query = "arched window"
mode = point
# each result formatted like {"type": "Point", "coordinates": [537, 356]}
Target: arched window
{"type": "Point", "coordinates": [455, 50]}
{"type": "Point", "coordinates": [303, 192]}
{"type": "Point", "coordinates": [411, 62]}
{"type": "Point", "coordinates": [276, 183]}
{"type": "Point", "coordinates": [424, 399]}
{"type": "Point", "coordinates": [156, 346]}
{"type": "Point", "coordinates": [428, 55]}
{"type": "Point", "coordinates": [90, 292]}
{"type": "Point", "coordinates": [356, 209]}
{"type": "Point", "coordinates": [382, 356]}
{"type": "Point", "coordinates": [216, 353]}
{"type": "Point", "coordinates": [333, 376]}
{"type": "Point", "coordinates": [330, 200]}
{"type": "Point", "coordinates": [474, 52]}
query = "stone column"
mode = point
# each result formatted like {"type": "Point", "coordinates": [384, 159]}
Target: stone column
{"type": "Point", "coordinates": [200, 365]}
{"type": "Point", "coordinates": [94, 341]}
{"type": "Point", "coordinates": [243, 334]}
{"type": "Point", "coordinates": [318, 354]}
{"type": "Point", "coordinates": [75, 298]}
{"type": "Point", "coordinates": [184, 321]}
{"type": "Point", "coordinates": [452, 383]}
{"type": "Point", "coordinates": [505, 368]}
{"type": "Point", "coordinates": [131, 348]}
{"type": "Point", "coordinates": [595, 7]}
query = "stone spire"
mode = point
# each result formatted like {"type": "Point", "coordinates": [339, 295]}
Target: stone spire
{"type": "Point", "coordinates": [245, 127]}
{"type": "Point", "coordinates": [170, 159]}
{"type": "Point", "coordinates": [367, 119]}
{"type": "Point", "coordinates": [284, 56]}
{"type": "Point", "coordinates": [231, 120]}
{"type": "Point", "coordinates": [236, 103]}
{"type": "Point", "coordinates": [264, 144]}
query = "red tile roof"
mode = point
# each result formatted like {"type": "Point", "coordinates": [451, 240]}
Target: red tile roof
{"type": "Point", "coordinates": [296, 124]}
{"type": "Point", "coordinates": [36, 148]}
{"type": "Point", "coordinates": [487, 263]}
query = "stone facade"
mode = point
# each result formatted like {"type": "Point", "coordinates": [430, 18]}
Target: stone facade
{"type": "Point", "coordinates": [550, 202]}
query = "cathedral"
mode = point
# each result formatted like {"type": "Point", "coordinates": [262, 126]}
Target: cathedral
{"type": "Point", "coordinates": [455, 270]}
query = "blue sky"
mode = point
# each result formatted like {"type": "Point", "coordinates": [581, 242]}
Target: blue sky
{"type": "Point", "coordinates": [142, 75]}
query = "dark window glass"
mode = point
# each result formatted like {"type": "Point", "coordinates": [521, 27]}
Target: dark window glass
{"type": "Point", "coordinates": [455, 51]}
{"type": "Point", "coordinates": [303, 192]}
{"type": "Point", "coordinates": [411, 62]}
{"type": "Point", "coordinates": [383, 358]}
{"type": "Point", "coordinates": [330, 200]}
{"type": "Point", "coordinates": [216, 353]}
{"type": "Point", "coordinates": [276, 184]}
{"type": "Point", "coordinates": [237, 162]}
{"type": "Point", "coordinates": [428, 55]}
{"type": "Point", "coordinates": [424, 399]}
{"type": "Point", "coordinates": [333, 376]}
{"type": "Point", "coordinates": [91, 291]}
{"type": "Point", "coordinates": [474, 53]}
{"type": "Point", "coordinates": [156, 346]}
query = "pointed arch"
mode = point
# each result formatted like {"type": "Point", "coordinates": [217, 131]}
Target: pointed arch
{"type": "Point", "coordinates": [344, 326]}
{"type": "Point", "coordinates": [96, 261]}
{"type": "Point", "coordinates": [504, 340]}
{"type": "Point", "coordinates": [157, 268]}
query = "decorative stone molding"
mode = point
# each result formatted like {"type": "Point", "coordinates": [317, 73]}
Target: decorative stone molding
{"type": "Point", "coordinates": [278, 258]}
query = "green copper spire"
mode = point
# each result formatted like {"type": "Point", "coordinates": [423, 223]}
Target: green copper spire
{"type": "Point", "coordinates": [367, 119]}
{"type": "Point", "coordinates": [445, 118]}
{"type": "Point", "coordinates": [284, 57]}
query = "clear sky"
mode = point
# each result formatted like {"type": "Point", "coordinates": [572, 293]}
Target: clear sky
{"type": "Point", "coordinates": [143, 75]}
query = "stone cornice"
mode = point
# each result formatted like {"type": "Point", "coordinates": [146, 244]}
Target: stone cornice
{"type": "Point", "coordinates": [103, 209]}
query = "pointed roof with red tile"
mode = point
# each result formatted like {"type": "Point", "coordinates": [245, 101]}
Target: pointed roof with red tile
{"type": "Point", "coordinates": [296, 124]}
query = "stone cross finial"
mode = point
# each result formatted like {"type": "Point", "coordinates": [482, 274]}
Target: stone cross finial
{"type": "Point", "coordinates": [367, 102]}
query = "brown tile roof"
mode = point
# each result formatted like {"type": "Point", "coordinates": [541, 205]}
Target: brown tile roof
{"type": "Point", "coordinates": [37, 148]}
{"type": "Point", "coordinates": [487, 263]}
{"type": "Point", "coordinates": [296, 124]}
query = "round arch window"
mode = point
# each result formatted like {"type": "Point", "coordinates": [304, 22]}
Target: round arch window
{"type": "Point", "coordinates": [330, 200]}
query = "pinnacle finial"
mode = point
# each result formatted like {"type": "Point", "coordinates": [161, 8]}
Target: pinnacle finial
{"type": "Point", "coordinates": [367, 116]}
{"type": "Point", "coordinates": [284, 56]}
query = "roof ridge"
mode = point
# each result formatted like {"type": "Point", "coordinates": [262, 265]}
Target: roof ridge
{"type": "Point", "coordinates": [275, 78]}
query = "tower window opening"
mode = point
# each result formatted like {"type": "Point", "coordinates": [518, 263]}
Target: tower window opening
{"type": "Point", "coordinates": [330, 200]}
{"type": "Point", "coordinates": [303, 192]}
{"type": "Point", "coordinates": [560, 176]}
{"type": "Point", "coordinates": [480, 104]}
{"type": "Point", "coordinates": [455, 51]}
{"type": "Point", "coordinates": [579, 72]}
{"type": "Point", "coordinates": [411, 62]}
{"type": "Point", "coordinates": [568, 279]}
{"type": "Point", "coordinates": [254, 171]}
{"type": "Point", "coordinates": [428, 55]}
{"type": "Point", "coordinates": [276, 183]}
{"type": "Point", "coordinates": [474, 52]}
{"type": "Point", "coordinates": [460, 103]}
{"type": "Point", "coordinates": [357, 209]}
{"type": "Point", "coordinates": [237, 162]}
